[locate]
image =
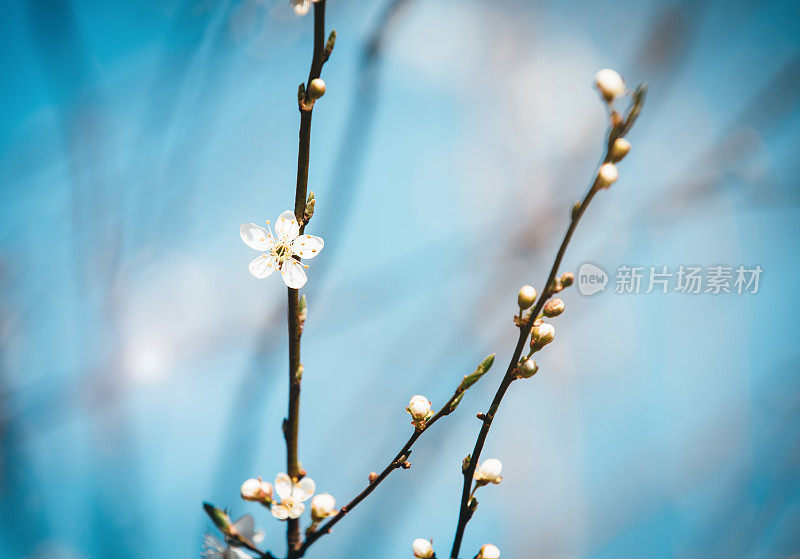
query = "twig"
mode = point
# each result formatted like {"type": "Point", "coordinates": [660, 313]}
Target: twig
{"type": "Point", "coordinates": [399, 461]}
{"type": "Point", "coordinates": [291, 425]}
{"type": "Point", "coordinates": [618, 129]}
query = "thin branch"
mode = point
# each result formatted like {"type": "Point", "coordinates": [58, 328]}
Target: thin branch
{"type": "Point", "coordinates": [291, 425]}
{"type": "Point", "coordinates": [466, 511]}
{"type": "Point", "coordinates": [399, 461]}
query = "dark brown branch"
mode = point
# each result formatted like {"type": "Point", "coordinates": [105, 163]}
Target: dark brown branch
{"type": "Point", "coordinates": [618, 129]}
{"type": "Point", "coordinates": [291, 425]}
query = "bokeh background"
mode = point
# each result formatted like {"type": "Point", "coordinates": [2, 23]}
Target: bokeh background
{"type": "Point", "coordinates": [143, 370]}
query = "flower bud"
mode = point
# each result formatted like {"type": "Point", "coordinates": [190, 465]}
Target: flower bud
{"type": "Point", "coordinates": [322, 506]}
{"type": "Point", "coordinates": [489, 471]}
{"type": "Point", "coordinates": [489, 551]}
{"type": "Point", "coordinates": [607, 175]}
{"type": "Point", "coordinates": [419, 407]}
{"type": "Point", "coordinates": [527, 368]}
{"type": "Point", "coordinates": [567, 279]}
{"type": "Point", "coordinates": [256, 490]}
{"type": "Point", "coordinates": [316, 88]}
{"type": "Point", "coordinates": [526, 297]}
{"type": "Point", "coordinates": [554, 307]}
{"type": "Point", "coordinates": [422, 548]}
{"type": "Point", "coordinates": [542, 335]}
{"type": "Point", "coordinates": [620, 149]}
{"type": "Point", "coordinates": [609, 83]}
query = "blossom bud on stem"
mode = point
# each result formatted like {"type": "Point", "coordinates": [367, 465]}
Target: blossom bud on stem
{"type": "Point", "coordinates": [541, 335]}
{"type": "Point", "coordinates": [316, 88]}
{"type": "Point", "coordinates": [554, 307]}
{"type": "Point", "coordinates": [607, 175]}
{"type": "Point", "coordinates": [489, 551]}
{"type": "Point", "coordinates": [526, 297]}
{"type": "Point", "coordinates": [423, 549]}
{"type": "Point", "coordinates": [619, 149]}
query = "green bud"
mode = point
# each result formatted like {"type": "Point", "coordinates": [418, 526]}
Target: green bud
{"type": "Point", "coordinates": [218, 516]}
{"type": "Point", "coordinates": [456, 401]}
{"type": "Point", "coordinates": [527, 368]}
{"type": "Point", "coordinates": [471, 379]}
{"type": "Point", "coordinates": [310, 203]}
{"type": "Point", "coordinates": [329, 44]}
{"type": "Point", "coordinates": [465, 463]}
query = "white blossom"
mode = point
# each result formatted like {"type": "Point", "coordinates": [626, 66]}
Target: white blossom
{"type": "Point", "coordinates": [422, 548]}
{"type": "Point", "coordinates": [322, 506]}
{"type": "Point", "coordinates": [278, 254]}
{"type": "Point", "coordinates": [292, 495]}
{"type": "Point", "coordinates": [489, 471]}
{"type": "Point", "coordinates": [215, 549]}
{"type": "Point", "coordinates": [489, 551]}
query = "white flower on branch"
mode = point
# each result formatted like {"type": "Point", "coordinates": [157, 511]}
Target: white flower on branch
{"type": "Point", "coordinates": [322, 506]}
{"type": "Point", "coordinates": [541, 335]}
{"type": "Point", "coordinates": [422, 548]}
{"type": "Point", "coordinates": [489, 472]}
{"type": "Point", "coordinates": [280, 253]}
{"type": "Point", "coordinates": [609, 83]}
{"type": "Point", "coordinates": [292, 495]}
{"type": "Point", "coordinates": [489, 551]}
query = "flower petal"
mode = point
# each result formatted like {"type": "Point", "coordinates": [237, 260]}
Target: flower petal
{"type": "Point", "coordinates": [283, 486]}
{"type": "Point", "coordinates": [293, 274]}
{"type": "Point", "coordinates": [245, 526]}
{"type": "Point", "coordinates": [286, 228]}
{"type": "Point", "coordinates": [280, 512]}
{"type": "Point", "coordinates": [262, 266]}
{"type": "Point", "coordinates": [258, 536]}
{"type": "Point", "coordinates": [303, 489]}
{"type": "Point", "coordinates": [307, 246]}
{"type": "Point", "coordinates": [256, 237]}
{"type": "Point", "coordinates": [297, 509]}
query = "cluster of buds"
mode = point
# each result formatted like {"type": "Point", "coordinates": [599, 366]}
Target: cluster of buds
{"type": "Point", "coordinates": [488, 551]}
{"type": "Point", "coordinates": [420, 409]}
{"type": "Point", "coordinates": [422, 548]}
{"type": "Point", "coordinates": [489, 472]}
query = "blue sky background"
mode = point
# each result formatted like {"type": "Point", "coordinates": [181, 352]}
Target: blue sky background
{"type": "Point", "coordinates": [143, 370]}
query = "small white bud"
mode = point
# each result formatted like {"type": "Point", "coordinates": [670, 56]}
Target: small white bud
{"type": "Point", "coordinates": [620, 149]}
{"type": "Point", "coordinates": [541, 335]}
{"type": "Point", "coordinates": [489, 551]}
{"type": "Point", "coordinates": [609, 83]}
{"type": "Point", "coordinates": [419, 407]}
{"type": "Point", "coordinates": [316, 88]}
{"type": "Point", "coordinates": [322, 506]}
{"type": "Point", "coordinates": [526, 297]}
{"type": "Point", "coordinates": [489, 471]}
{"type": "Point", "coordinates": [422, 548]}
{"type": "Point", "coordinates": [607, 175]}
{"type": "Point", "coordinates": [256, 490]}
